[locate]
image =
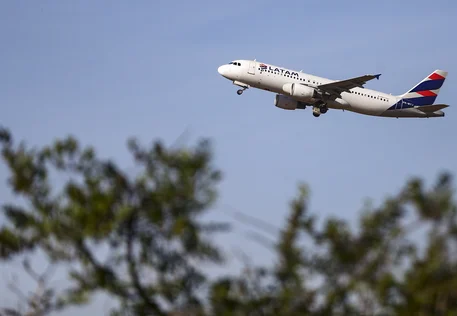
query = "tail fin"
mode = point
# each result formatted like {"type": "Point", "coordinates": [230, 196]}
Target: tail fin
{"type": "Point", "coordinates": [426, 91]}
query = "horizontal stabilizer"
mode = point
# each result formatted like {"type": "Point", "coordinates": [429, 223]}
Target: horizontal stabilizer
{"type": "Point", "coordinates": [432, 108]}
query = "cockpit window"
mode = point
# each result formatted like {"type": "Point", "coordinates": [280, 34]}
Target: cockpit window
{"type": "Point", "coordinates": [234, 63]}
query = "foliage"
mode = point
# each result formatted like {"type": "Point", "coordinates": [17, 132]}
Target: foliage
{"type": "Point", "coordinates": [400, 259]}
{"type": "Point", "coordinates": [148, 226]}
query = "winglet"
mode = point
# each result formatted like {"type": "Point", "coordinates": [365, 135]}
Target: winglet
{"type": "Point", "coordinates": [377, 76]}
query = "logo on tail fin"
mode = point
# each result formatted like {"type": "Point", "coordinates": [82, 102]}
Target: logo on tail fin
{"type": "Point", "coordinates": [424, 93]}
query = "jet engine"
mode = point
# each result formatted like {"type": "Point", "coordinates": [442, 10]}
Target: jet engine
{"type": "Point", "coordinates": [300, 91]}
{"type": "Point", "coordinates": [287, 103]}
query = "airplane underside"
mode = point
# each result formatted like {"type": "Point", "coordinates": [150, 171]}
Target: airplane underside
{"type": "Point", "coordinates": [414, 113]}
{"type": "Point", "coordinates": [321, 106]}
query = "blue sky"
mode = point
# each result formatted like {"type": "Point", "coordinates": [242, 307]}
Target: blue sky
{"type": "Point", "coordinates": [108, 70]}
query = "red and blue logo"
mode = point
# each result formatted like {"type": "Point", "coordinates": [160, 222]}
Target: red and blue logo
{"type": "Point", "coordinates": [424, 93]}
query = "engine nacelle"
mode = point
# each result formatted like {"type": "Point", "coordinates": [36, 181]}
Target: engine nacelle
{"type": "Point", "coordinates": [300, 91]}
{"type": "Point", "coordinates": [287, 103]}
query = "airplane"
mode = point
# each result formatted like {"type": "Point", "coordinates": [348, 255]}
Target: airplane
{"type": "Point", "coordinates": [298, 90]}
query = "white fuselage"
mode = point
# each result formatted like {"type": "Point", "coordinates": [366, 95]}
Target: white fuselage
{"type": "Point", "coordinates": [251, 73]}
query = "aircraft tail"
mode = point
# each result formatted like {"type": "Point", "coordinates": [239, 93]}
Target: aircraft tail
{"type": "Point", "coordinates": [426, 91]}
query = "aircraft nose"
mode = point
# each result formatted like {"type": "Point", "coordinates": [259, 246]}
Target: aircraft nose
{"type": "Point", "coordinates": [223, 70]}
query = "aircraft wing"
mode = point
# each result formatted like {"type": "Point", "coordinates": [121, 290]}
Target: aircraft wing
{"type": "Point", "coordinates": [339, 86]}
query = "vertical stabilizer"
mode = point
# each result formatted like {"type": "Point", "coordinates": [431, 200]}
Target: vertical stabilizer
{"type": "Point", "coordinates": [426, 91]}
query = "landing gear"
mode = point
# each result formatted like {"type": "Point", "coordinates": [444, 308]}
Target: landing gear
{"type": "Point", "coordinates": [242, 85]}
{"type": "Point", "coordinates": [240, 91]}
{"type": "Point", "coordinates": [319, 108]}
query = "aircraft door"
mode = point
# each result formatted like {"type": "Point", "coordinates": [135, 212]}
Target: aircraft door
{"type": "Point", "coordinates": [252, 65]}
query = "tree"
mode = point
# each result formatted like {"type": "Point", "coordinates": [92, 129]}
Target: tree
{"type": "Point", "coordinates": [400, 259]}
{"type": "Point", "coordinates": [147, 225]}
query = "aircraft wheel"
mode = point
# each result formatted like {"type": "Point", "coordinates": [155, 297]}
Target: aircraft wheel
{"type": "Point", "coordinates": [240, 92]}
{"type": "Point", "coordinates": [316, 114]}
{"type": "Point", "coordinates": [324, 110]}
